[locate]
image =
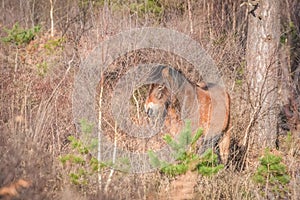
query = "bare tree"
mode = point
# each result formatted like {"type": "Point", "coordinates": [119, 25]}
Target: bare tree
{"type": "Point", "coordinates": [262, 66]}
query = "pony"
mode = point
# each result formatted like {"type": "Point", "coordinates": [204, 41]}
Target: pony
{"type": "Point", "coordinates": [197, 104]}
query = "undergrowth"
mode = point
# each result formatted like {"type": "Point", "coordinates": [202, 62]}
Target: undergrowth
{"type": "Point", "coordinates": [185, 156]}
{"type": "Point", "coordinates": [272, 176]}
{"type": "Point", "coordinates": [18, 35]}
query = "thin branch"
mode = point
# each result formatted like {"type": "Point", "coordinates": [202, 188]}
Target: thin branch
{"type": "Point", "coordinates": [47, 102]}
{"type": "Point", "coordinates": [112, 170]}
{"type": "Point", "coordinates": [137, 106]}
{"type": "Point", "coordinates": [190, 17]}
{"type": "Point", "coordinates": [61, 81]}
{"type": "Point", "coordinates": [51, 16]}
{"type": "Point", "coordinates": [100, 129]}
{"type": "Point", "coordinates": [258, 106]}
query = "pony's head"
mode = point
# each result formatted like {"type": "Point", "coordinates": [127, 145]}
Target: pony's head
{"type": "Point", "coordinates": [157, 102]}
{"type": "Point", "coordinates": [159, 97]}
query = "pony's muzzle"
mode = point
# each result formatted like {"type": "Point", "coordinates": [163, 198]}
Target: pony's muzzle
{"type": "Point", "coordinates": [149, 112]}
{"type": "Point", "coordinates": [148, 109]}
{"type": "Point", "coordinates": [154, 111]}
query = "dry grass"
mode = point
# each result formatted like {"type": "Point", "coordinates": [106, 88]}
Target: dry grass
{"type": "Point", "coordinates": [36, 108]}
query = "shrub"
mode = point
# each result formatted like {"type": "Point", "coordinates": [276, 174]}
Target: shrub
{"type": "Point", "coordinates": [271, 175]}
{"type": "Point", "coordinates": [82, 166]}
{"type": "Point", "coordinates": [20, 36]}
{"type": "Point", "coordinates": [184, 153]}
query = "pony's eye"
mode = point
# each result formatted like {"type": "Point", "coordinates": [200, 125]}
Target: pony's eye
{"type": "Point", "coordinates": [159, 95]}
{"type": "Point", "coordinates": [161, 87]}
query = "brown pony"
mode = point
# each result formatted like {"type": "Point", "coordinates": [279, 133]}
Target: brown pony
{"type": "Point", "coordinates": [210, 112]}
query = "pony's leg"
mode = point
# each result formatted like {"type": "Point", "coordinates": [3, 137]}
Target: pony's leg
{"type": "Point", "coordinates": [224, 146]}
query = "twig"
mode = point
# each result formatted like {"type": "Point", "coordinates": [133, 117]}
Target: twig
{"type": "Point", "coordinates": [190, 16]}
{"type": "Point", "coordinates": [251, 124]}
{"type": "Point", "coordinates": [137, 106]}
{"type": "Point", "coordinates": [112, 170]}
{"type": "Point", "coordinates": [44, 112]}
{"type": "Point", "coordinates": [61, 81]}
{"type": "Point", "coordinates": [258, 106]}
{"type": "Point", "coordinates": [16, 60]}
{"type": "Point", "coordinates": [51, 16]}
{"type": "Point", "coordinates": [99, 130]}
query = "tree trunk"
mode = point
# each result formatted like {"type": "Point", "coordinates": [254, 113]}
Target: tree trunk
{"type": "Point", "coordinates": [262, 67]}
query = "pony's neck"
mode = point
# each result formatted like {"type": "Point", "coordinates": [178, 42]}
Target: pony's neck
{"type": "Point", "coordinates": [187, 97]}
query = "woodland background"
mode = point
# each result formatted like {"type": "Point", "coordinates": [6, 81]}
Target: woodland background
{"type": "Point", "coordinates": [38, 70]}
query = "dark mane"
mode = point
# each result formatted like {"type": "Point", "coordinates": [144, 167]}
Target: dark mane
{"type": "Point", "coordinates": [177, 77]}
{"type": "Point", "coordinates": [155, 75]}
{"type": "Point", "coordinates": [175, 80]}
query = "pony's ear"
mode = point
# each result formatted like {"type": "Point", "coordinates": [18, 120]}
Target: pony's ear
{"type": "Point", "coordinates": [167, 76]}
{"type": "Point", "coordinates": [165, 73]}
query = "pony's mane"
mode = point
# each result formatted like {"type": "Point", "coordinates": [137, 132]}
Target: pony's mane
{"type": "Point", "coordinates": [178, 79]}
{"type": "Point", "coordinates": [175, 80]}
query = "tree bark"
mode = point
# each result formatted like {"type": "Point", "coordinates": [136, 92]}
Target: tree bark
{"type": "Point", "coordinates": [262, 67]}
